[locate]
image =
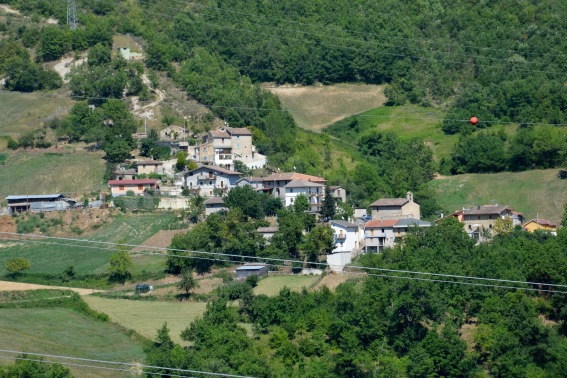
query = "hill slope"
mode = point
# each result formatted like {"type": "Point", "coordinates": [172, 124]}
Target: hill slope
{"type": "Point", "coordinates": [533, 193]}
{"type": "Point", "coordinates": [314, 107]}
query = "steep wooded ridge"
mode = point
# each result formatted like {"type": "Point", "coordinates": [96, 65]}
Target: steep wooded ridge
{"type": "Point", "coordinates": [500, 60]}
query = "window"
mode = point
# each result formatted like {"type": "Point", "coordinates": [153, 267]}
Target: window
{"type": "Point", "coordinates": [489, 226]}
{"type": "Point", "coordinates": [238, 137]}
{"type": "Point", "coordinates": [238, 145]}
{"type": "Point", "coordinates": [291, 190]}
{"type": "Point", "coordinates": [222, 140]}
{"type": "Point", "coordinates": [222, 184]}
{"type": "Point", "coordinates": [121, 187]}
{"type": "Point", "coordinates": [140, 187]}
{"type": "Point", "coordinates": [382, 230]}
{"type": "Point", "coordinates": [470, 227]}
{"type": "Point", "coordinates": [210, 183]}
{"type": "Point", "coordinates": [291, 199]}
{"type": "Point", "coordinates": [211, 192]}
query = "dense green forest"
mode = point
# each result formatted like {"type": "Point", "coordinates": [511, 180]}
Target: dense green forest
{"type": "Point", "coordinates": [398, 326]}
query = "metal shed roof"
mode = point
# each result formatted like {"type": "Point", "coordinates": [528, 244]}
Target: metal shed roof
{"type": "Point", "coordinates": [251, 267]}
{"type": "Point", "coordinates": [34, 196]}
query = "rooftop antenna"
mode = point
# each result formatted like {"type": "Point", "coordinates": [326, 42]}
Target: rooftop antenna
{"type": "Point", "coordinates": [72, 14]}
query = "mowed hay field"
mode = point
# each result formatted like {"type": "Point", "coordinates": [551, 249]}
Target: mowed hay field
{"type": "Point", "coordinates": [62, 331]}
{"type": "Point", "coordinates": [315, 107]}
{"type": "Point", "coordinates": [147, 317]}
{"type": "Point", "coordinates": [46, 257]}
{"type": "Point", "coordinates": [69, 173]}
{"type": "Point", "coordinates": [534, 193]}
{"type": "Point", "coordinates": [272, 286]}
{"type": "Point", "coordinates": [22, 112]}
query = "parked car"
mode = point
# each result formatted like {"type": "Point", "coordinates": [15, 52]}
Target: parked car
{"type": "Point", "coordinates": [366, 217]}
{"type": "Point", "coordinates": [143, 288]}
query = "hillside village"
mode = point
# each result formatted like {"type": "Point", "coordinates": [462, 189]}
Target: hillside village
{"type": "Point", "coordinates": [190, 190]}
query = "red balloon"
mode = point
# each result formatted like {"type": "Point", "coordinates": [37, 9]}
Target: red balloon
{"type": "Point", "coordinates": [474, 120]}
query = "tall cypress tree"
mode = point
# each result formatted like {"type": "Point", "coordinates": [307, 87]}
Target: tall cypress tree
{"type": "Point", "coordinates": [328, 208]}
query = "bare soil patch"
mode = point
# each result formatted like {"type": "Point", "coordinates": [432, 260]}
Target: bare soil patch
{"type": "Point", "coordinates": [467, 335]}
{"type": "Point", "coordinates": [315, 107]}
{"type": "Point", "coordinates": [162, 239]}
{"type": "Point", "coordinates": [7, 224]}
{"type": "Point", "coordinates": [20, 286]}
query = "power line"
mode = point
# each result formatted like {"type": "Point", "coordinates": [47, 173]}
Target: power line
{"type": "Point", "coordinates": [129, 364]}
{"type": "Point", "coordinates": [218, 256]}
{"type": "Point", "coordinates": [287, 110]}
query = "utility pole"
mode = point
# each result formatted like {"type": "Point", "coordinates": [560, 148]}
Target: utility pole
{"type": "Point", "coordinates": [72, 14]}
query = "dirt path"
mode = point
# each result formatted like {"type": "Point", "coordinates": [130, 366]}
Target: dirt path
{"type": "Point", "coordinates": [147, 111]}
{"type": "Point", "coordinates": [63, 67]}
{"type": "Point", "coordinates": [7, 9]}
{"type": "Point", "coordinates": [19, 286]}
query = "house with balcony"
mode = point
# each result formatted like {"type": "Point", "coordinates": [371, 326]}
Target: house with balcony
{"type": "Point", "coordinates": [349, 241]}
{"type": "Point", "coordinates": [402, 227]}
{"type": "Point", "coordinates": [222, 147]}
{"type": "Point", "coordinates": [379, 234]}
{"type": "Point", "coordinates": [138, 187]}
{"type": "Point", "coordinates": [210, 180]}
{"type": "Point", "coordinates": [479, 220]}
{"type": "Point", "coordinates": [395, 208]}
{"type": "Point", "coordinates": [315, 192]}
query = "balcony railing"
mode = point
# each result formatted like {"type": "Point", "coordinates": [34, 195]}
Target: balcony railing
{"type": "Point", "coordinates": [206, 176]}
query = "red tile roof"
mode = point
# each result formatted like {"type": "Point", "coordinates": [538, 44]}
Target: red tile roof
{"type": "Point", "coordinates": [289, 176]}
{"type": "Point", "coordinates": [381, 223]}
{"type": "Point", "coordinates": [132, 182]}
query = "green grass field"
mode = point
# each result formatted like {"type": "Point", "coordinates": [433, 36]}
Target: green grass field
{"type": "Point", "coordinates": [272, 286]}
{"type": "Point", "coordinates": [72, 173]}
{"type": "Point", "coordinates": [538, 192]}
{"type": "Point", "coordinates": [315, 107]}
{"type": "Point", "coordinates": [408, 121]}
{"type": "Point", "coordinates": [66, 332]}
{"type": "Point", "coordinates": [147, 317]}
{"type": "Point", "coordinates": [22, 112]}
{"type": "Point", "coordinates": [52, 258]}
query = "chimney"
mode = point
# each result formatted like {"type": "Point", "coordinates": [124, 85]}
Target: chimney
{"type": "Point", "coordinates": [478, 207]}
{"type": "Point", "coordinates": [409, 196]}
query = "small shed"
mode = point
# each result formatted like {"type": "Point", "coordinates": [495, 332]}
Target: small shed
{"type": "Point", "coordinates": [47, 202]}
{"type": "Point", "coordinates": [246, 270]}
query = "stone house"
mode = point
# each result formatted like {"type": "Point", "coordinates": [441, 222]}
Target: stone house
{"type": "Point", "coordinates": [395, 208]}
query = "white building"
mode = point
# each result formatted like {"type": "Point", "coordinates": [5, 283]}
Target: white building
{"type": "Point", "coordinates": [314, 192]}
{"type": "Point", "coordinates": [349, 240]}
{"type": "Point", "coordinates": [210, 180]}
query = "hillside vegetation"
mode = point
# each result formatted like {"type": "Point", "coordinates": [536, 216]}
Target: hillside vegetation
{"type": "Point", "coordinates": [24, 112]}
{"type": "Point", "coordinates": [537, 192]}
{"type": "Point", "coordinates": [68, 172]}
